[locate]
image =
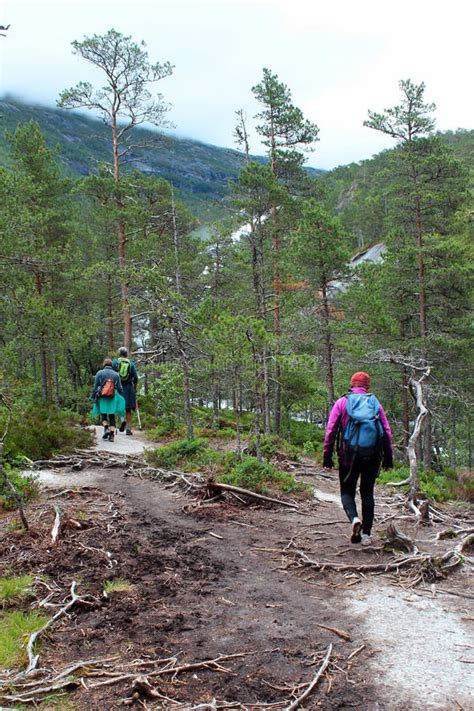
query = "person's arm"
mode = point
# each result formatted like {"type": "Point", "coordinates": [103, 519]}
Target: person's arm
{"type": "Point", "coordinates": [387, 460]}
{"type": "Point", "coordinates": [96, 386]}
{"type": "Point", "coordinates": [118, 383]}
{"type": "Point", "coordinates": [133, 373]}
{"type": "Point", "coordinates": [332, 428]}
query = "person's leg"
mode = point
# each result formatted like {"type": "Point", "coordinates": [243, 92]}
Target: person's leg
{"type": "Point", "coordinates": [367, 483]}
{"type": "Point", "coordinates": [128, 420]}
{"type": "Point", "coordinates": [112, 428]}
{"type": "Point", "coordinates": [129, 395]}
{"type": "Point", "coordinates": [105, 423]}
{"type": "Point", "coordinates": [348, 482]}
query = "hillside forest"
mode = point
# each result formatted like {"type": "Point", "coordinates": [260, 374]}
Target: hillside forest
{"type": "Point", "coordinates": [239, 283]}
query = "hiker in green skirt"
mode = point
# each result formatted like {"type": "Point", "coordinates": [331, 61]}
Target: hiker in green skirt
{"type": "Point", "coordinates": [108, 398]}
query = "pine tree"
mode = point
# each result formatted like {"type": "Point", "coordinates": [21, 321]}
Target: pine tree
{"type": "Point", "coordinates": [428, 185]}
{"type": "Point", "coordinates": [286, 133]}
{"type": "Point", "coordinates": [123, 103]}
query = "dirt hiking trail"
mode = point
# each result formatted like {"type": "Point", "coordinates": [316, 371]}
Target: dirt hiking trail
{"type": "Point", "coordinates": [226, 579]}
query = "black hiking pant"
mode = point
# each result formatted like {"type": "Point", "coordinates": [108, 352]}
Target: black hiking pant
{"type": "Point", "coordinates": [110, 419]}
{"type": "Point", "coordinates": [367, 469]}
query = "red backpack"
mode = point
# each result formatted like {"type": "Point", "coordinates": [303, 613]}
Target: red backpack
{"type": "Point", "coordinates": [108, 388]}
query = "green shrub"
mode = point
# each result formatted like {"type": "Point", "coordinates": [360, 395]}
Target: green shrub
{"type": "Point", "coordinates": [172, 454]}
{"type": "Point", "coordinates": [257, 476]}
{"type": "Point", "coordinates": [301, 432]}
{"type": "Point", "coordinates": [166, 427]}
{"type": "Point", "coordinates": [309, 448]}
{"type": "Point", "coordinates": [271, 445]}
{"type": "Point", "coordinates": [43, 430]}
{"type": "Point", "coordinates": [439, 486]}
{"type": "Point", "coordinates": [206, 432]}
{"type": "Point", "coordinates": [25, 484]}
{"type": "Point", "coordinates": [226, 433]}
{"type": "Point", "coordinates": [268, 445]}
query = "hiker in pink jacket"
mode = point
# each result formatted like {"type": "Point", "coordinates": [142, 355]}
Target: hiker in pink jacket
{"type": "Point", "coordinates": [358, 461]}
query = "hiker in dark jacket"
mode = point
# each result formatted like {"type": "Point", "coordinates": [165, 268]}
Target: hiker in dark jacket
{"type": "Point", "coordinates": [355, 462]}
{"type": "Point", "coordinates": [108, 405]}
{"type": "Point", "coordinates": [129, 379]}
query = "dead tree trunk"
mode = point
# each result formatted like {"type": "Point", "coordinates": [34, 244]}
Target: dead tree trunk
{"type": "Point", "coordinates": [418, 392]}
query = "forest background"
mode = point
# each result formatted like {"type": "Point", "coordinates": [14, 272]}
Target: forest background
{"type": "Point", "coordinates": [237, 281]}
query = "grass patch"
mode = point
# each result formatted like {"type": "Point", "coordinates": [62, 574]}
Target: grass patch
{"type": "Point", "coordinates": [257, 476]}
{"type": "Point", "coordinates": [448, 485]}
{"type": "Point", "coordinates": [25, 484]}
{"type": "Point", "coordinates": [53, 702]}
{"type": "Point", "coordinates": [14, 589]}
{"type": "Point", "coordinates": [15, 627]}
{"type": "Point", "coordinates": [117, 586]}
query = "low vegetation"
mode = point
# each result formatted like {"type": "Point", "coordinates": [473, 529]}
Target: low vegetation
{"type": "Point", "coordinates": [117, 586]}
{"type": "Point", "coordinates": [448, 485]}
{"type": "Point", "coordinates": [261, 477]}
{"type": "Point", "coordinates": [25, 484]}
{"type": "Point", "coordinates": [14, 629]}
{"type": "Point", "coordinates": [228, 467]}
{"type": "Point", "coordinates": [15, 589]}
{"type": "Point", "coordinates": [39, 431]}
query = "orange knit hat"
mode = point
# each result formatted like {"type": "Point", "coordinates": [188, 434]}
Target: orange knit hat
{"type": "Point", "coordinates": [360, 379]}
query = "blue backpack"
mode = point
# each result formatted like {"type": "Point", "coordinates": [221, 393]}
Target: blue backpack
{"type": "Point", "coordinates": [364, 431]}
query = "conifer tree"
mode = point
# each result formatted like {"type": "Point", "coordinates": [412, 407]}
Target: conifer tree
{"type": "Point", "coordinates": [123, 103]}
{"type": "Point", "coordinates": [427, 187]}
{"type": "Point", "coordinates": [285, 133]}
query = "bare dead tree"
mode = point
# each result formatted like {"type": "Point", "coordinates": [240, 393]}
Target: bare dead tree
{"type": "Point", "coordinates": [417, 389]}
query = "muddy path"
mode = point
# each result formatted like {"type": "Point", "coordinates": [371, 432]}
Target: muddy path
{"type": "Point", "coordinates": [223, 579]}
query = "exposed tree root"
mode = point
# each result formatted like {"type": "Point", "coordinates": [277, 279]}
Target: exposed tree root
{"type": "Point", "coordinates": [101, 669]}
{"type": "Point", "coordinates": [398, 539]}
{"type": "Point", "coordinates": [320, 671]}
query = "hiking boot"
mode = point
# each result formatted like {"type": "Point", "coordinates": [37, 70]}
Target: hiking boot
{"type": "Point", "coordinates": [122, 426]}
{"type": "Point", "coordinates": [128, 431]}
{"type": "Point", "coordinates": [356, 528]}
{"type": "Point", "coordinates": [111, 436]}
{"type": "Point", "coordinates": [366, 540]}
{"type": "Point", "coordinates": [106, 433]}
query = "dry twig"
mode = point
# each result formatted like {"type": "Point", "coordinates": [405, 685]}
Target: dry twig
{"type": "Point", "coordinates": [311, 686]}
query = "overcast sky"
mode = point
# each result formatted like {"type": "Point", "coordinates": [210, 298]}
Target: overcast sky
{"type": "Point", "coordinates": [339, 58]}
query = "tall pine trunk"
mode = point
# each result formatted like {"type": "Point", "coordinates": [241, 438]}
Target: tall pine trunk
{"type": "Point", "coordinates": [328, 346]}
{"type": "Point", "coordinates": [122, 243]}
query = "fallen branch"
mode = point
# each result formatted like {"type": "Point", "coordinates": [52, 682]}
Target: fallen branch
{"type": "Point", "coordinates": [57, 524]}
{"type": "Point", "coordinates": [311, 686]}
{"type": "Point", "coordinates": [215, 486]}
{"type": "Point", "coordinates": [336, 630]}
{"type": "Point", "coordinates": [398, 483]}
{"type": "Point", "coordinates": [355, 652]}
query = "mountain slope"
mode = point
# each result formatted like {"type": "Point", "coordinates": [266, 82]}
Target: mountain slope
{"type": "Point", "coordinates": [201, 172]}
{"type": "Point", "coordinates": [355, 191]}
